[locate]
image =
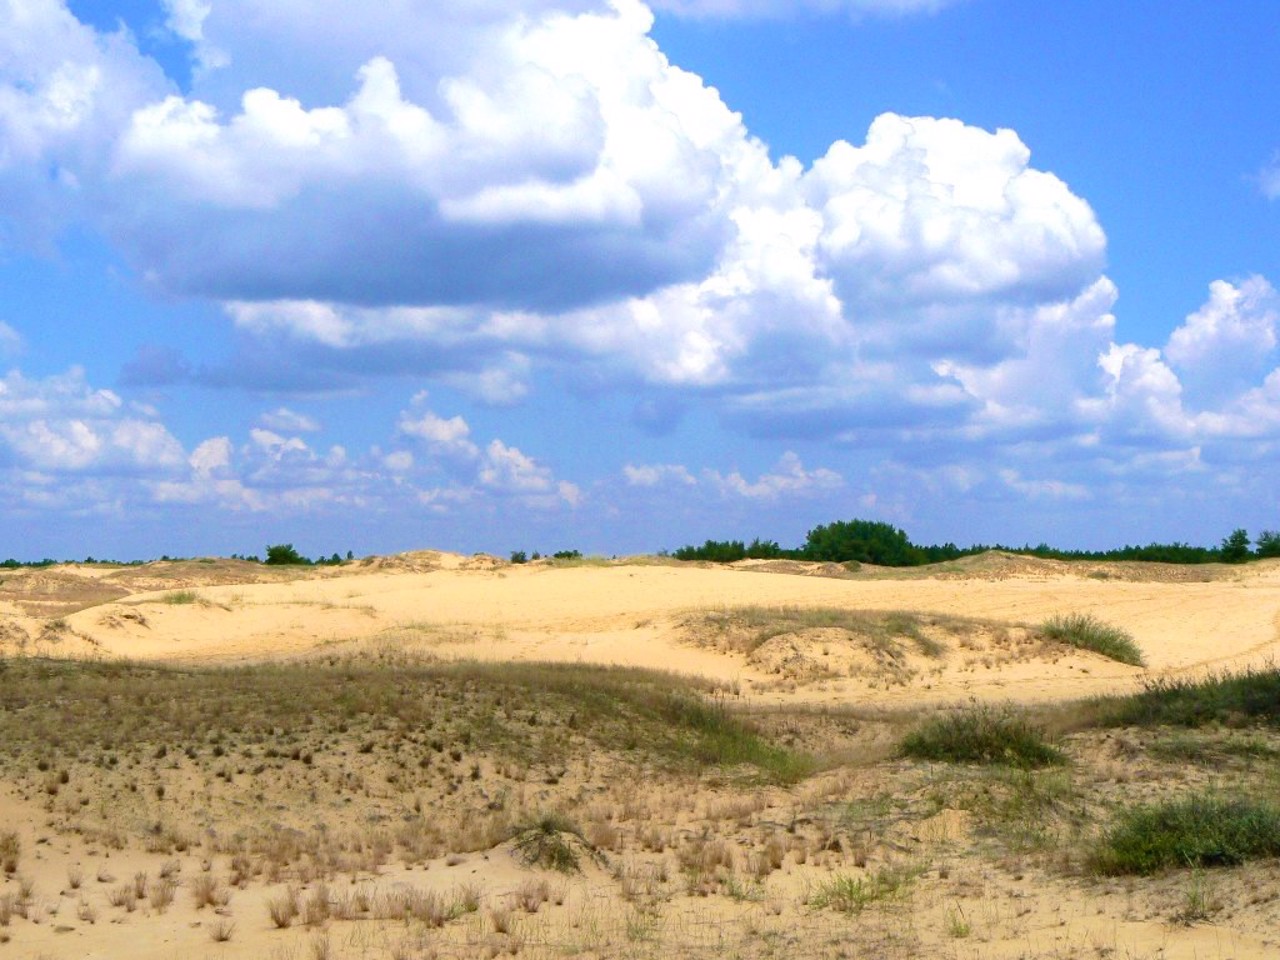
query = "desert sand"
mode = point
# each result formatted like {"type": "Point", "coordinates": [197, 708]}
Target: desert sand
{"type": "Point", "coordinates": [672, 862]}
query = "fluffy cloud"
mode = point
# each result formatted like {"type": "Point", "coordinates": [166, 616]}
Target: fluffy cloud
{"type": "Point", "coordinates": [285, 420]}
{"type": "Point", "coordinates": [655, 475]}
{"type": "Point", "coordinates": [1226, 345]}
{"type": "Point", "coordinates": [572, 141]}
{"type": "Point", "coordinates": [789, 478]}
{"type": "Point", "coordinates": [497, 467]}
{"type": "Point", "coordinates": [61, 424]}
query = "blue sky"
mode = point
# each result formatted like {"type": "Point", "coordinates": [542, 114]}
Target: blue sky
{"type": "Point", "coordinates": [616, 277]}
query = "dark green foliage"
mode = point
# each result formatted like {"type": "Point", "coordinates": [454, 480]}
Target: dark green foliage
{"type": "Point", "coordinates": [869, 541]}
{"type": "Point", "coordinates": [567, 555]}
{"type": "Point", "coordinates": [981, 734]}
{"type": "Point", "coordinates": [731, 551]}
{"type": "Point", "coordinates": [1232, 699]}
{"type": "Point", "coordinates": [519, 556]}
{"type": "Point", "coordinates": [283, 554]}
{"type": "Point", "coordinates": [866, 541]}
{"type": "Point", "coordinates": [1235, 548]}
{"type": "Point", "coordinates": [1268, 544]}
{"type": "Point", "coordinates": [1198, 831]}
{"type": "Point", "coordinates": [1089, 633]}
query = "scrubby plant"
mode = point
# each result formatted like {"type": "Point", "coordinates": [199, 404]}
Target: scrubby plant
{"type": "Point", "coordinates": [981, 734]}
{"type": "Point", "coordinates": [10, 849]}
{"type": "Point", "coordinates": [850, 894]}
{"type": "Point", "coordinates": [1233, 699]}
{"type": "Point", "coordinates": [550, 841]}
{"type": "Point", "coordinates": [1202, 830]}
{"type": "Point", "coordinates": [1087, 632]}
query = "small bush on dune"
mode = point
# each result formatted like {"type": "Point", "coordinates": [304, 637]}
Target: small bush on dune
{"type": "Point", "coordinates": [1087, 632]}
{"type": "Point", "coordinates": [1198, 831]}
{"type": "Point", "coordinates": [981, 734]}
{"type": "Point", "coordinates": [1234, 699]}
{"type": "Point", "coordinates": [550, 841]}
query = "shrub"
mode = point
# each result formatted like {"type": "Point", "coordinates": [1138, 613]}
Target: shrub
{"type": "Point", "coordinates": [1203, 830]}
{"type": "Point", "coordinates": [981, 734]}
{"type": "Point", "coordinates": [1234, 699]}
{"type": "Point", "coordinates": [1089, 633]}
{"type": "Point", "coordinates": [549, 841]}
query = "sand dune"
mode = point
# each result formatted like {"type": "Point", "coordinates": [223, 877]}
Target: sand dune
{"type": "Point", "coordinates": [831, 644]}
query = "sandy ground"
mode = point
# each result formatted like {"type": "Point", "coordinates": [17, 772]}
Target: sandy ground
{"type": "Point", "coordinates": [632, 614]}
{"type": "Point", "coordinates": [648, 613]}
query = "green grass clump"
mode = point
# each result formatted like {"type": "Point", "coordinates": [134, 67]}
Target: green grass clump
{"type": "Point", "coordinates": [848, 894]}
{"type": "Point", "coordinates": [1089, 633]}
{"type": "Point", "coordinates": [1203, 830]}
{"type": "Point", "coordinates": [981, 734]}
{"type": "Point", "coordinates": [180, 597]}
{"type": "Point", "coordinates": [1231, 699]}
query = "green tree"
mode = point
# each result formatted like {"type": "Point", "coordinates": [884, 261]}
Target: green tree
{"type": "Point", "coordinates": [1268, 544]}
{"type": "Point", "coordinates": [867, 541]}
{"type": "Point", "coordinates": [1235, 548]}
{"type": "Point", "coordinates": [283, 554]}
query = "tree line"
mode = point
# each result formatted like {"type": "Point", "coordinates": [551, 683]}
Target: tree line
{"type": "Point", "coordinates": [882, 544]}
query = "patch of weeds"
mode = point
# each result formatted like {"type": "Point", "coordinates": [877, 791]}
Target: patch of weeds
{"type": "Point", "coordinates": [1200, 901]}
{"type": "Point", "coordinates": [746, 629]}
{"type": "Point", "coordinates": [1024, 809]}
{"type": "Point", "coordinates": [179, 598]}
{"type": "Point", "coordinates": [1210, 751]}
{"type": "Point", "coordinates": [551, 841]}
{"type": "Point", "coordinates": [981, 734]}
{"type": "Point", "coordinates": [1087, 632]}
{"type": "Point", "coordinates": [1202, 830]}
{"type": "Point", "coordinates": [1230, 699]}
{"type": "Point", "coordinates": [10, 849]}
{"type": "Point", "coordinates": [849, 894]}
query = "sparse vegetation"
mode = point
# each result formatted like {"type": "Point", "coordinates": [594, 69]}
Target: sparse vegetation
{"type": "Point", "coordinates": [1201, 830]}
{"type": "Point", "coordinates": [981, 734]}
{"type": "Point", "coordinates": [1240, 699]}
{"type": "Point", "coordinates": [10, 849]}
{"type": "Point", "coordinates": [853, 894]}
{"type": "Point", "coordinates": [1087, 632]}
